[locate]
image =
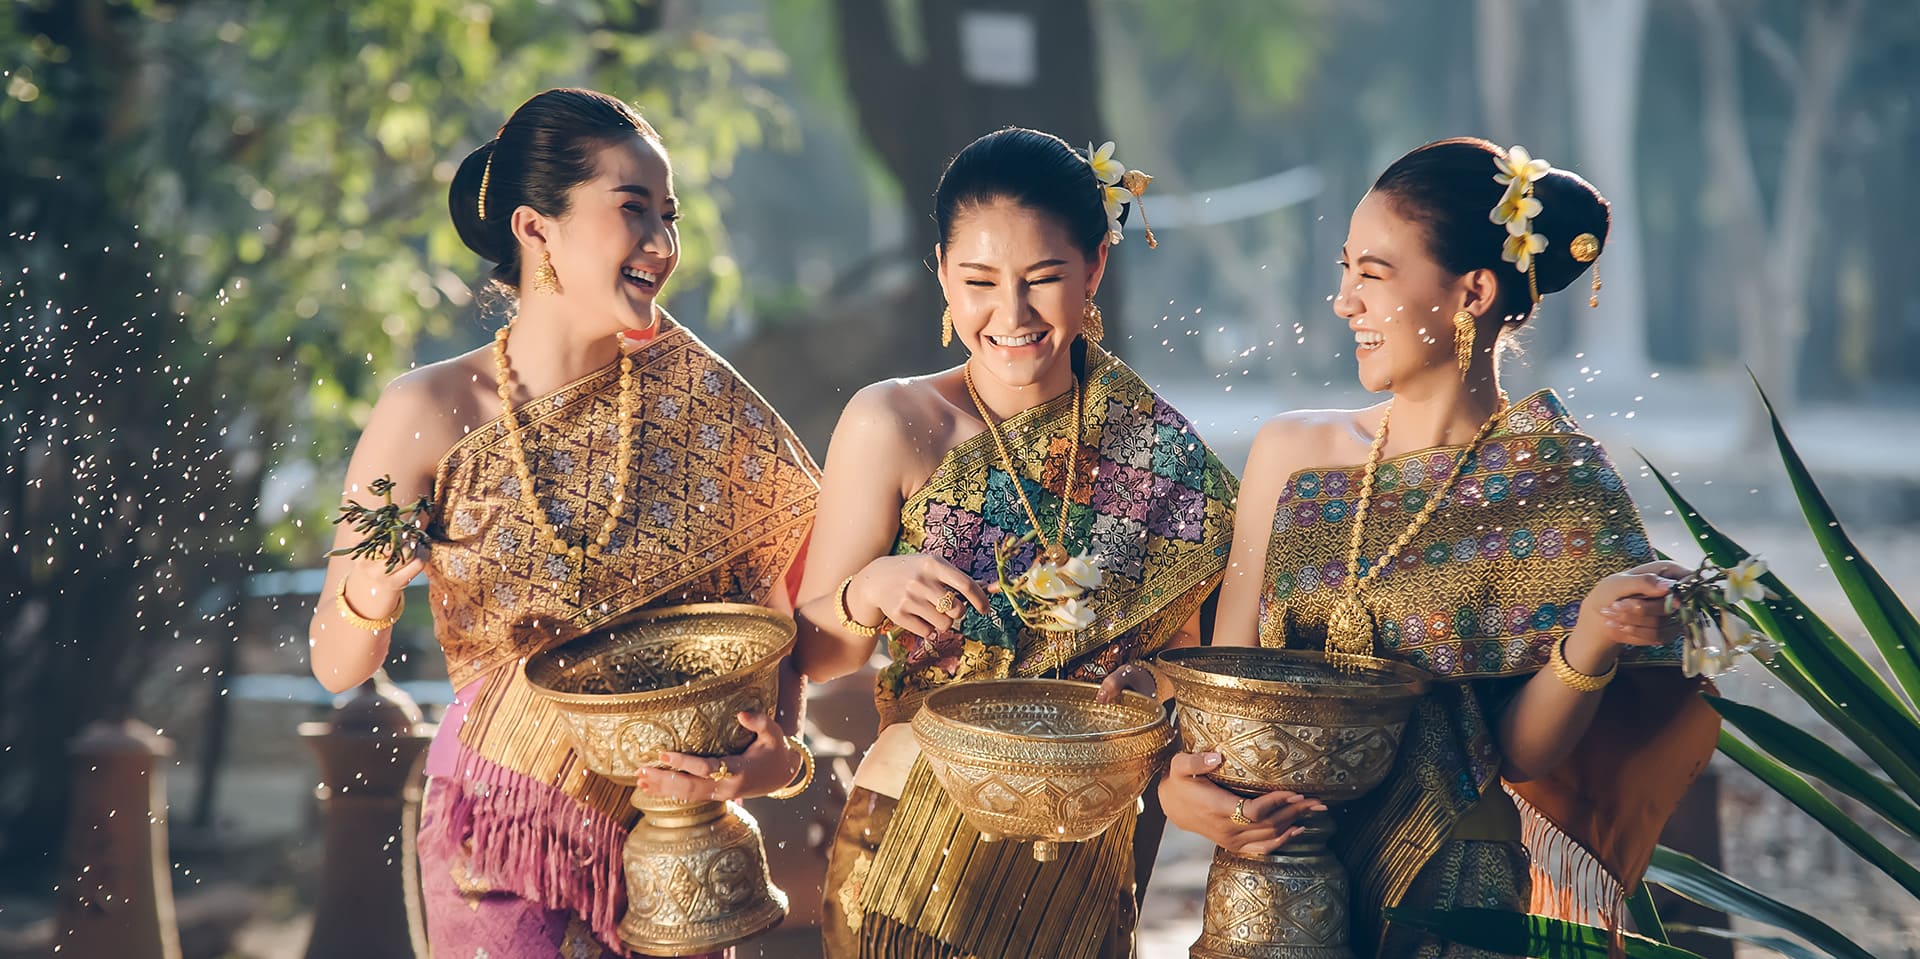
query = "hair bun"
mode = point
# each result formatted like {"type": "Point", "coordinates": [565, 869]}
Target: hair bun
{"type": "Point", "coordinates": [1569, 208]}
{"type": "Point", "coordinates": [488, 238]}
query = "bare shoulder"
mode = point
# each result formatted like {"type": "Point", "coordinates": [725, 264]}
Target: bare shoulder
{"type": "Point", "coordinates": [442, 386]}
{"type": "Point", "coordinates": [1301, 439]}
{"type": "Point", "coordinates": [897, 430]}
{"type": "Point", "coordinates": [423, 412]}
{"type": "Point", "coordinates": [913, 411]}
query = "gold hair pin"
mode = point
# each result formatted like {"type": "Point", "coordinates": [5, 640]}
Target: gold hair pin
{"type": "Point", "coordinates": [1119, 186]}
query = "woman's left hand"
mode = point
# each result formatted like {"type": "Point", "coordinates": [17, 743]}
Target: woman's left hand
{"type": "Point", "coordinates": [768, 763]}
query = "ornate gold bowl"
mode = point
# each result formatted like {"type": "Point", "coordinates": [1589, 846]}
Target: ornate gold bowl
{"type": "Point", "coordinates": [673, 679]}
{"type": "Point", "coordinates": [1038, 760]}
{"type": "Point", "coordinates": [1287, 719]}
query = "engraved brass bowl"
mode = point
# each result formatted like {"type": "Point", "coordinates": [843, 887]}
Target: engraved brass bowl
{"type": "Point", "coordinates": [1038, 760]}
{"type": "Point", "coordinates": [674, 678]}
{"type": "Point", "coordinates": [1287, 719]}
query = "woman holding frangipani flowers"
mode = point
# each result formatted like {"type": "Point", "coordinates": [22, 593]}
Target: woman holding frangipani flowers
{"type": "Point", "coordinates": [1035, 511]}
{"type": "Point", "coordinates": [1485, 541]}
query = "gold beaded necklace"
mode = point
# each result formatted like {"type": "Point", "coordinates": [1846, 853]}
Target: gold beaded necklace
{"type": "Point", "coordinates": [1054, 553]}
{"type": "Point", "coordinates": [1350, 625]}
{"type": "Point", "coordinates": [576, 554]}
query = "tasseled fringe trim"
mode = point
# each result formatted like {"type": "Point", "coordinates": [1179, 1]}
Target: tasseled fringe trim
{"type": "Point", "coordinates": [1568, 882]}
{"type": "Point", "coordinates": [941, 885]}
{"type": "Point", "coordinates": [530, 839]}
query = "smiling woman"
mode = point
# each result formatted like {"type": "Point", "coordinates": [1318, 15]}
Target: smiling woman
{"type": "Point", "coordinates": [1485, 541]}
{"type": "Point", "coordinates": [564, 501]}
{"type": "Point", "coordinates": [1042, 436]}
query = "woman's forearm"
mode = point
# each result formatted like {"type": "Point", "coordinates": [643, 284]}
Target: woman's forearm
{"type": "Point", "coordinates": [1547, 718]}
{"type": "Point", "coordinates": [821, 652]}
{"type": "Point", "coordinates": [792, 710]}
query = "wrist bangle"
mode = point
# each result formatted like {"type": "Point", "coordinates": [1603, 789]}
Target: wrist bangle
{"type": "Point", "coordinates": [852, 625]}
{"type": "Point", "coordinates": [802, 779]}
{"type": "Point", "coordinates": [1576, 680]}
{"type": "Point", "coordinates": [370, 625]}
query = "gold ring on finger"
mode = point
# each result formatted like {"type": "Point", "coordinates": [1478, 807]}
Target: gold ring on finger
{"type": "Point", "coordinates": [721, 773]}
{"type": "Point", "coordinates": [948, 600]}
{"type": "Point", "coordinates": [1240, 813]}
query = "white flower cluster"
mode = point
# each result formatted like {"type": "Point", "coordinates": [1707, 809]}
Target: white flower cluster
{"type": "Point", "coordinates": [1518, 207]}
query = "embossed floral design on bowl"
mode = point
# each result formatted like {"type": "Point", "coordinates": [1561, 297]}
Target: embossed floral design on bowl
{"type": "Point", "coordinates": [1039, 759]}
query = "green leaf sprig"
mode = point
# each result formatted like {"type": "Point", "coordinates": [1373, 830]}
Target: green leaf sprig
{"type": "Point", "coordinates": [387, 532]}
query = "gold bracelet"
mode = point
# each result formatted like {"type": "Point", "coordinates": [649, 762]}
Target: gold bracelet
{"type": "Point", "coordinates": [803, 778]}
{"type": "Point", "coordinates": [854, 626]}
{"type": "Point", "coordinates": [370, 625]}
{"type": "Point", "coordinates": [1576, 680]}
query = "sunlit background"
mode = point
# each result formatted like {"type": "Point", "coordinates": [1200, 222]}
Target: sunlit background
{"type": "Point", "coordinates": [223, 227]}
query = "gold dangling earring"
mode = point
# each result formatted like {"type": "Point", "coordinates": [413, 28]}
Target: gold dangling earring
{"type": "Point", "coordinates": [1092, 323]}
{"type": "Point", "coordinates": [1593, 302]}
{"type": "Point", "coordinates": [544, 278]}
{"type": "Point", "coordinates": [1463, 340]}
{"type": "Point", "coordinates": [946, 327]}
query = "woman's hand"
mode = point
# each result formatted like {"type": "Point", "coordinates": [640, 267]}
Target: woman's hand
{"type": "Point", "coordinates": [1134, 676]}
{"type": "Point", "coordinates": [1625, 609]}
{"type": "Point", "coordinates": [1196, 804]}
{"type": "Point", "coordinates": [768, 763]}
{"type": "Point", "coordinates": [921, 594]}
{"type": "Point", "coordinates": [373, 591]}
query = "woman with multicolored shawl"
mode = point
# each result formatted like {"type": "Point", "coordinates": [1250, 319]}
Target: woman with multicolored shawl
{"type": "Point", "coordinates": [595, 460]}
{"type": "Point", "coordinates": [1040, 434]}
{"type": "Point", "coordinates": [1487, 542]}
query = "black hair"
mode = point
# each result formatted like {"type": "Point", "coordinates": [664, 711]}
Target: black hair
{"type": "Point", "coordinates": [545, 149]}
{"type": "Point", "coordinates": [1038, 171]}
{"type": "Point", "coordinates": [1447, 187]}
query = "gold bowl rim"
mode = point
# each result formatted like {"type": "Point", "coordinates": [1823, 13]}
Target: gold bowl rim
{"type": "Point", "coordinates": [1407, 680]}
{"type": "Point", "coordinates": [1075, 687]}
{"type": "Point", "coordinates": [690, 690]}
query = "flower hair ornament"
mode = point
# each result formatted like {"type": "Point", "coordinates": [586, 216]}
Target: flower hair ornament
{"type": "Point", "coordinates": [1518, 171]}
{"type": "Point", "coordinates": [1119, 186]}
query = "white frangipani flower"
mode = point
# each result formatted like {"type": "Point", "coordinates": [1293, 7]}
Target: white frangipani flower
{"type": "Point", "coordinates": [1108, 169]}
{"type": "Point", "coordinates": [1743, 582]}
{"type": "Point", "coordinates": [1518, 167]}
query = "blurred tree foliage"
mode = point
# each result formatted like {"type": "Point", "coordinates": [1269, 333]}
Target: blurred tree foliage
{"type": "Point", "coordinates": [225, 228]}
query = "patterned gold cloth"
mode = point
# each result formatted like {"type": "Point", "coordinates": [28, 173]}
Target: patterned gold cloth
{"type": "Point", "coordinates": [1151, 504]}
{"type": "Point", "coordinates": [1496, 579]}
{"type": "Point", "coordinates": [719, 503]}
{"type": "Point", "coordinates": [1154, 506]}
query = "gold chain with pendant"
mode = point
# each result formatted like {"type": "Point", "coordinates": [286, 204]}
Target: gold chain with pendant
{"type": "Point", "coordinates": [516, 449]}
{"type": "Point", "coordinates": [1350, 625]}
{"type": "Point", "coordinates": [1054, 553]}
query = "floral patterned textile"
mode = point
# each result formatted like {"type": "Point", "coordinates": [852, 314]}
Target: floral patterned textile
{"type": "Point", "coordinates": [1495, 580]}
{"type": "Point", "coordinates": [1151, 504]}
{"type": "Point", "coordinates": [1539, 515]}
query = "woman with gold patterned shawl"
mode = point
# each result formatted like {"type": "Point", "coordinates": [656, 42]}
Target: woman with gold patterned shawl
{"type": "Point", "coordinates": [595, 460]}
{"type": "Point", "coordinates": [1487, 542]}
{"type": "Point", "coordinates": [1040, 432]}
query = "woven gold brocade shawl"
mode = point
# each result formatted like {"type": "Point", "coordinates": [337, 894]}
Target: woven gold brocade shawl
{"type": "Point", "coordinates": [1495, 580]}
{"type": "Point", "coordinates": [1151, 504]}
{"type": "Point", "coordinates": [721, 500]}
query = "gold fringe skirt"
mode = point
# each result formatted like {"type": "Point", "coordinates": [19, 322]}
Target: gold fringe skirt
{"type": "Point", "coordinates": [935, 891]}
